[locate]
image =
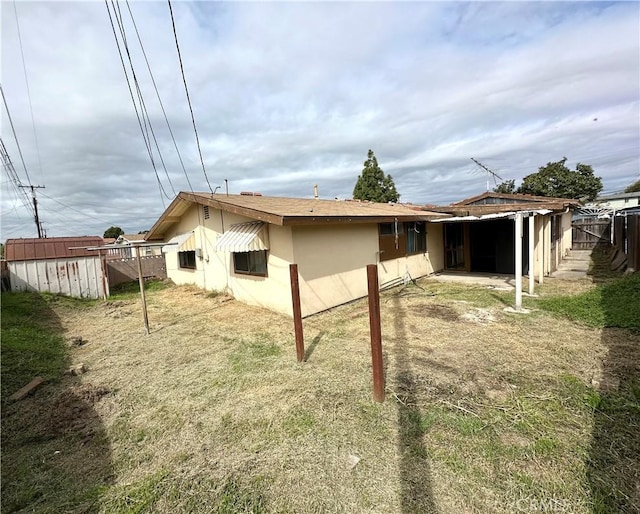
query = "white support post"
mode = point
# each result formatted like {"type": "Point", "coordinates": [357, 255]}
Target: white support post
{"type": "Point", "coordinates": [518, 245]}
{"type": "Point", "coordinates": [531, 252]}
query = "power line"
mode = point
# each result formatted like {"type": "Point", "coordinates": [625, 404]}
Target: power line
{"type": "Point", "coordinates": [14, 178]}
{"type": "Point", "coordinates": [144, 53]}
{"type": "Point", "coordinates": [143, 107]}
{"type": "Point", "coordinates": [135, 106]}
{"type": "Point", "coordinates": [26, 80]}
{"type": "Point", "coordinates": [186, 89]}
{"type": "Point", "coordinates": [14, 134]}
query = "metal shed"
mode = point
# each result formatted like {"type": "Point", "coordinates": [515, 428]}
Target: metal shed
{"type": "Point", "coordinates": [57, 265]}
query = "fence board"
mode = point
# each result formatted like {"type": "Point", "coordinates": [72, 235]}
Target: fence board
{"type": "Point", "coordinates": [588, 233]}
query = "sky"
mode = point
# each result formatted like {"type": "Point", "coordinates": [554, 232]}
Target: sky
{"type": "Point", "coordinates": [288, 95]}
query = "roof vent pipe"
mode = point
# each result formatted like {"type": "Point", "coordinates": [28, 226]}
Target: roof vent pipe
{"type": "Point", "coordinates": [315, 191]}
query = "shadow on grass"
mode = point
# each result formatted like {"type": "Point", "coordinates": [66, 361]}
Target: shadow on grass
{"type": "Point", "coordinates": [55, 453]}
{"type": "Point", "coordinates": [310, 349]}
{"type": "Point", "coordinates": [614, 457]}
{"type": "Point", "coordinates": [416, 494]}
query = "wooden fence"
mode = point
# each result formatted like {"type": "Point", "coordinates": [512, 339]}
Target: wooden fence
{"type": "Point", "coordinates": [588, 233]}
{"type": "Point", "coordinates": [626, 238]}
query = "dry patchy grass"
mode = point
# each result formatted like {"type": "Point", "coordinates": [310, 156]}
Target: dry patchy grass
{"type": "Point", "coordinates": [211, 412]}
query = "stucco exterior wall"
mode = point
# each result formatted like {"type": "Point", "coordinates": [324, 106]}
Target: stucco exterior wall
{"type": "Point", "coordinates": [214, 270]}
{"type": "Point", "coordinates": [567, 237]}
{"type": "Point", "coordinates": [332, 262]}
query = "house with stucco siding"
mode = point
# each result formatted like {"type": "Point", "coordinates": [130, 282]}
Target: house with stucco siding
{"type": "Point", "coordinates": [244, 244]}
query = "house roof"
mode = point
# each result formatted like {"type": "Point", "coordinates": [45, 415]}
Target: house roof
{"type": "Point", "coordinates": [132, 237]}
{"type": "Point", "coordinates": [513, 198]}
{"type": "Point", "coordinates": [617, 196]}
{"type": "Point", "coordinates": [481, 205]}
{"type": "Point", "coordinates": [50, 248]}
{"type": "Point", "coordinates": [289, 211]}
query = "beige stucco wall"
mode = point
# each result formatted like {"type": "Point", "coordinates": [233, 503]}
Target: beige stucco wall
{"type": "Point", "coordinates": [332, 262]}
{"type": "Point", "coordinates": [214, 270]}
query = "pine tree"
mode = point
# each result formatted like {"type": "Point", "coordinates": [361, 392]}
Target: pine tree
{"type": "Point", "coordinates": [373, 185]}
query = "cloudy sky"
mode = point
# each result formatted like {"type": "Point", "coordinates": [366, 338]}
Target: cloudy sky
{"type": "Point", "coordinates": [288, 95]}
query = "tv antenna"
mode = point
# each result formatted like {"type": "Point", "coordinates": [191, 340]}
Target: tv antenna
{"type": "Point", "coordinates": [490, 173]}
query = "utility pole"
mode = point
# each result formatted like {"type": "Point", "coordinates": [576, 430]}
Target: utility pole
{"type": "Point", "coordinates": [35, 208]}
{"type": "Point", "coordinates": [489, 172]}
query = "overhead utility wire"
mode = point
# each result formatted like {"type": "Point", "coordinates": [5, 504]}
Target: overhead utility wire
{"type": "Point", "coordinates": [186, 89]}
{"type": "Point", "coordinates": [26, 80]}
{"type": "Point", "coordinates": [143, 108]}
{"type": "Point", "coordinates": [166, 119]}
{"type": "Point", "coordinates": [15, 179]}
{"type": "Point", "coordinates": [15, 135]}
{"type": "Point", "coordinates": [135, 106]}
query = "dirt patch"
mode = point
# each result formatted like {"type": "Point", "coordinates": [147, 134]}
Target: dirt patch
{"type": "Point", "coordinates": [443, 312]}
{"type": "Point", "coordinates": [72, 411]}
{"type": "Point", "coordinates": [478, 316]}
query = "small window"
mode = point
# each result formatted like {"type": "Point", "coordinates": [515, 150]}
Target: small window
{"type": "Point", "coordinates": [389, 229]}
{"type": "Point", "coordinates": [187, 259]}
{"type": "Point", "coordinates": [416, 237]}
{"type": "Point", "coordinates": [205, 209]}
{"type": "Point", "coordinates": [250, 263]}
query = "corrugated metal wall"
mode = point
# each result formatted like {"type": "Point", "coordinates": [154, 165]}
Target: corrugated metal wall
{"type": "Point", "coordinates": [81, 277]}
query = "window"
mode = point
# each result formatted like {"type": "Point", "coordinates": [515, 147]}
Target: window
{"type": "Point", "coordinates": [187, 259]}
{"type": "Point", "coordinates": [250, 263]}
{"type": "Point", "coordinates": [389, 229]}
{"type": "Point", "coordinates": [416, 237]}
{"type": "Point", "coordinates": [205, 210]}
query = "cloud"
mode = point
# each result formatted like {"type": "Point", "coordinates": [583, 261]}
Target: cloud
{"type": "Point", "coordinates": [288, 95]}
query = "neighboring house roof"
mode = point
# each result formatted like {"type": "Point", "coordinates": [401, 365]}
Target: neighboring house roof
{"type": "Point", "coordinates": [130, 238]}
{"type": "Point", "coordinates": [490, 203]}
{"type": "Point", "coordinates": [618, 196]}
{"type": "Point", "coordinates": [50, 248]}
{"type": "Point", "coordinates": [289, 211]}
{"type": "Point", "coordinates": [491, 198]}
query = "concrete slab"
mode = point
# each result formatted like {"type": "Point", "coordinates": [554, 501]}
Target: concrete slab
{"type": "Point", "coordinates": [501, 282]}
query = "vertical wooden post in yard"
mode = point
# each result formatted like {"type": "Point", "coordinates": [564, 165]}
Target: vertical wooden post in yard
{"type": "Point", "coordinates": [297, 311]}
{"type": "Point", "coordinates": [376, 332]}
{"type": "Point", "coordinates": [141, 283]}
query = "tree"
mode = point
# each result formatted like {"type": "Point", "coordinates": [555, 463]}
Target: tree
{"type": "Point", "coordinates": [373, 185]}
{"type": "Point", "coordinates": [508, 186]}
{"type": "Point", "coordinates": [555, 179]}
{"type": "Point", "coordinates": [633, 188]}
{"type": "Point", "coordinates": [113, 232]}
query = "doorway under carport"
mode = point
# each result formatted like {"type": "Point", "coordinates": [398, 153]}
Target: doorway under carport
{"type": "Point", "coordinates": [484, 246]}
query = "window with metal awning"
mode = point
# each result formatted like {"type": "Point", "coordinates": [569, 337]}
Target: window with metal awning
{"type": "Point", "coordinates": [252, 236]}
{"type": "Point", "coordinates": [181, 243]}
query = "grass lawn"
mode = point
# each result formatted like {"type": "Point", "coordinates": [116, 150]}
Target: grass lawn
{"type": "Point", "coordinates": [484, 411]}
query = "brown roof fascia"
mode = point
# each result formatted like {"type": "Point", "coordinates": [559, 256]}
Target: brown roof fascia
{"type": "Point", "coordinates": [472, 210]}
{"type": "Point", "coordinates": [328, 220]}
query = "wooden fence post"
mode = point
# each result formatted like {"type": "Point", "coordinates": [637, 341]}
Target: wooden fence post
{"type": "Point", "coordinates": [297, 311]}
{"type": "Point", "coordinates": [142, 296]}
{"type": "Point", "coordinates": [376, 332]}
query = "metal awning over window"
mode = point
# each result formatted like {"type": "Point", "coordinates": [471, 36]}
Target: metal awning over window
{"type": "Point", "coordinates": [181, 243]}
{"type": "Point", "coordinates": [244, 237]}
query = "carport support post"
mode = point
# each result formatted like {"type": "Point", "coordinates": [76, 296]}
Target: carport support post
{"type": "Point", "coordinates": [518, 241]}
{"type": "Point", "coordinates": [531, 250]}
{"type": "Point", "coordinates": [376, 332]}
{"type": "Point", "coordinates": [297, 311]}
{"type": "Point", "coordinates": [141, 282]}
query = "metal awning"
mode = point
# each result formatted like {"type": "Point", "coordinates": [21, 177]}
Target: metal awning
{"type": "Point", "coordinates": [493, 216]}
{"type": "Point", "coordinates": [244, 237]}
{"type": "Point", "coordinates": [181, 243]}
